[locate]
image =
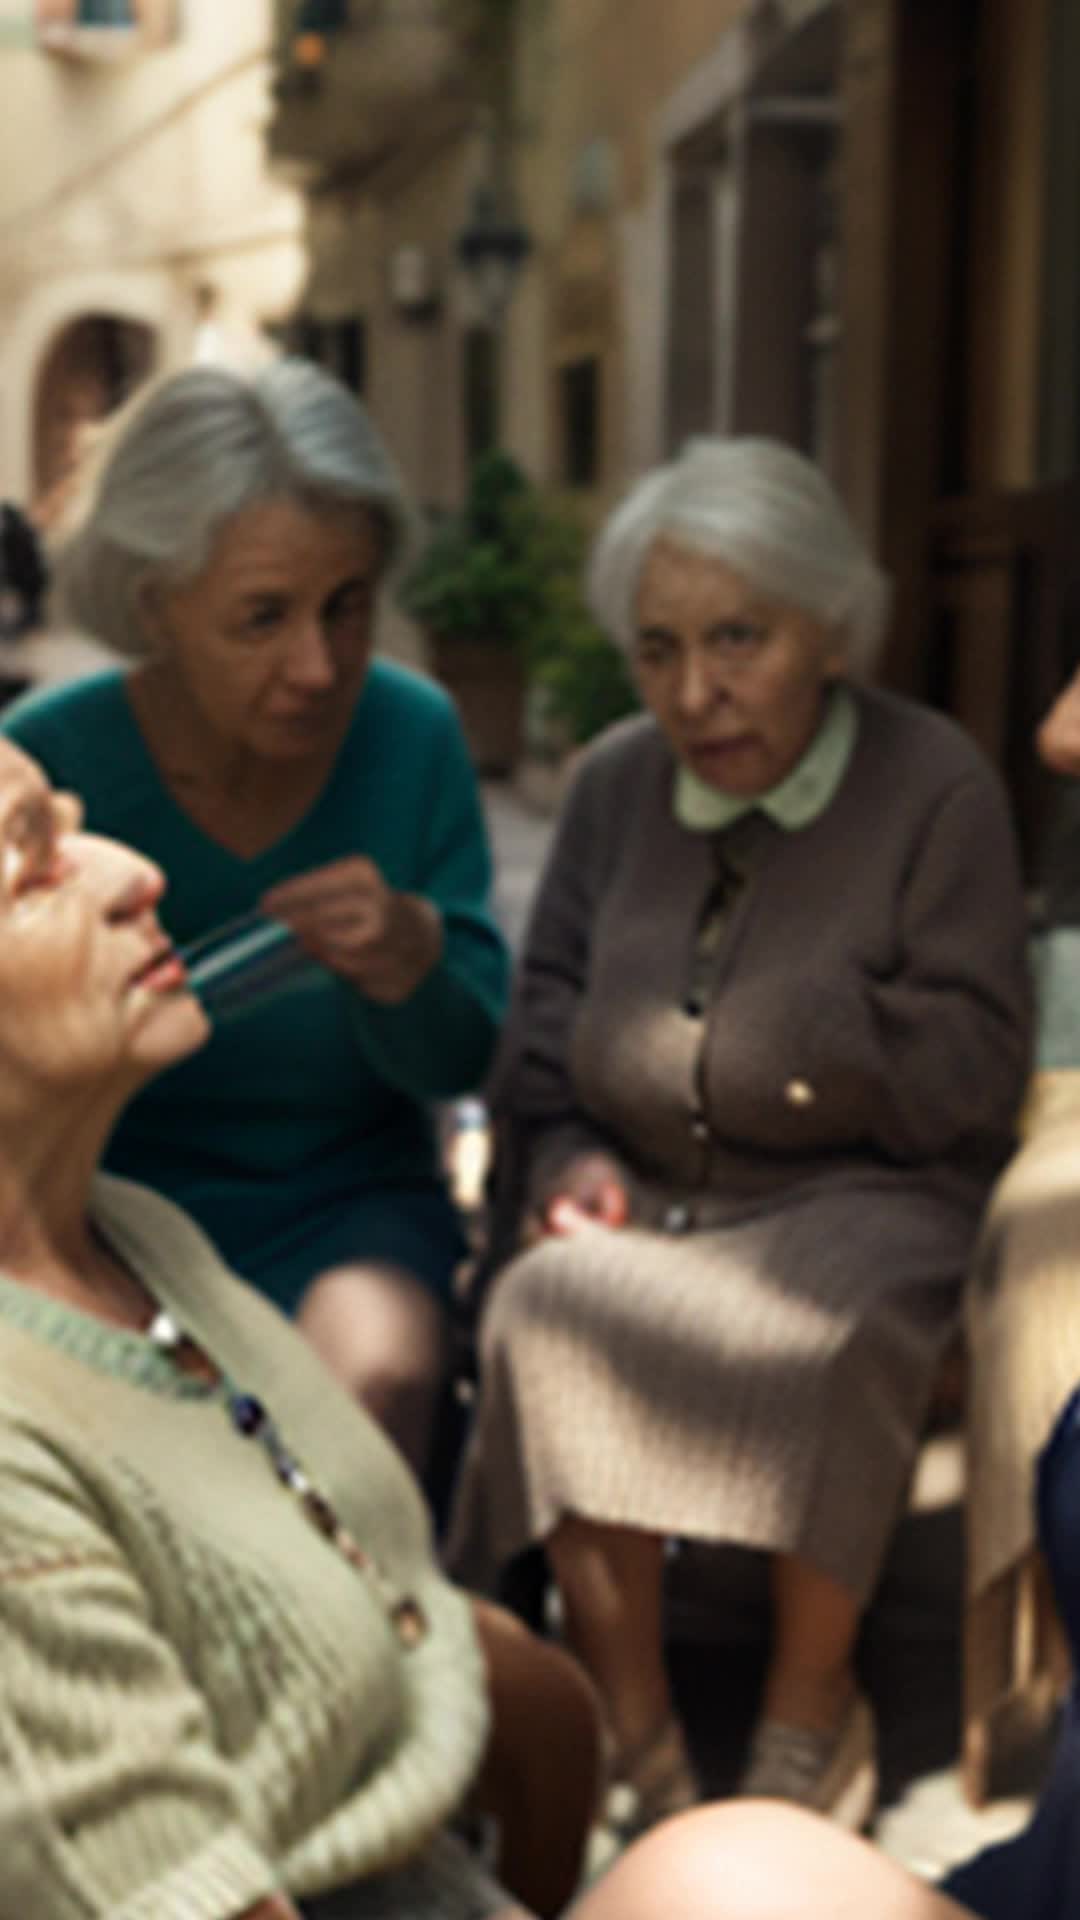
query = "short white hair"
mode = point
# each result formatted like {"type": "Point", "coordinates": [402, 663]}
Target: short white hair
{"type": "Point", "coordinates": [192, 452]}
{"type": "Point", "coordinates": [771, 516]}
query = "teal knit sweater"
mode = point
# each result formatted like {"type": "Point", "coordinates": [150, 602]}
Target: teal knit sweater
{"type": "Point", "coordinates": [300, 1109]}
{"type": "Point", "coordinates": [200, 1698]}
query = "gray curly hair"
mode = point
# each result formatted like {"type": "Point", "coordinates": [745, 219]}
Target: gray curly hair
{"type": "Point", "coordinates": [195, 450]}
{"type": "Point", "coordinates": [768, 513]}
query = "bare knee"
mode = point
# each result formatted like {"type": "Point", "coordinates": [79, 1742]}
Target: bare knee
{"type": "Point", "coordinates": [538, 1686]}
{"type": "Point", "coordinates": [758, 1860]}
{"type": "Point", "coordinates": [384, 1336]}
{"type": "Point", "coordinates": [701, 1865]}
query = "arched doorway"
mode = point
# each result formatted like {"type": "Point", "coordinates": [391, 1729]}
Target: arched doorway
{"type": "Point", "coordinates": [91, 369]}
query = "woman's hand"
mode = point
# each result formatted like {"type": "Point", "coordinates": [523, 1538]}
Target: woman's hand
{"type": "Point", "coordinates": [591, 1190]}
{"type": "Point", "coordinates": [1058, 736]}
{"type": "Point", "coordinates": [383, 942]}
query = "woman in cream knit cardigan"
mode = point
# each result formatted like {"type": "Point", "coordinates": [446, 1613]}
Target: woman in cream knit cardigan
{"type": "Point", "coordinates": [233, 1685]}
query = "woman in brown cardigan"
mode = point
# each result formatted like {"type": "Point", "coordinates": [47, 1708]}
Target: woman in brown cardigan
{"type": "Point", "coordinates": [770, 1037]}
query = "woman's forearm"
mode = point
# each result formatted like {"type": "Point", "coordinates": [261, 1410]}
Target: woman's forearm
{"type": "Point", "coordinates": [276, 1906]}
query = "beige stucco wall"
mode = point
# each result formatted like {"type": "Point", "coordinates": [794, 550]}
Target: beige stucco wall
{"type": "Point", "coordinates": [124, 187]}
{"type": "Point", "coordinates": [416, 363]}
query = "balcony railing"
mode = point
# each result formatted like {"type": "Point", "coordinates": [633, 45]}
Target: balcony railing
{"type": "Point", "coordinates": [358, 79]}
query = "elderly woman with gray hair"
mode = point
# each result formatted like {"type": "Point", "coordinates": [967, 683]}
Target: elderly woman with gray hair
{"type": "Point", "coordinates": [234, 550]}
{"type": "Point", "coordinates": [769, 1040]}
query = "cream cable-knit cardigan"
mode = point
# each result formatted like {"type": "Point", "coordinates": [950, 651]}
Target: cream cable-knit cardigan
{"type": "Point", "coordinates": [200, 1699]}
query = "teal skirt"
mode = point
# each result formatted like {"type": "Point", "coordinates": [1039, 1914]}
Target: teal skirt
{"type": "Point", "coordinates": [413, 1226]}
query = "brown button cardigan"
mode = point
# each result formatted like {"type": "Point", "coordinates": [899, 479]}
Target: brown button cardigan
{"type": "Point", "coordinates": [762, 1375]}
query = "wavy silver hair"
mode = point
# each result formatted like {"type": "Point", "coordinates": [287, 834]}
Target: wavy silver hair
{"type": "Point", "coordinates": [767, 512]}
{"type": "Point", "coordinates": [195, 450]}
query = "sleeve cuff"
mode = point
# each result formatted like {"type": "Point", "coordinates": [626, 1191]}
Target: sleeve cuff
{"type": "Point", "coordinates": [222, 1880]}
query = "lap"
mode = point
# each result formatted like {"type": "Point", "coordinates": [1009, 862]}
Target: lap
{"type": "Point", "coordinates": [810, 1270]}
{"type": "Point", "coordinates": [796, 1343]}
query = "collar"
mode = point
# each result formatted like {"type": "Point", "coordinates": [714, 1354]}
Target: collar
{"type": "Point", "coordinates": [796, 800]}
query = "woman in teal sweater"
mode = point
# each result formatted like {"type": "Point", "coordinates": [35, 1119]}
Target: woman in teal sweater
{"type": "Point", "coordinates": [234, 549]}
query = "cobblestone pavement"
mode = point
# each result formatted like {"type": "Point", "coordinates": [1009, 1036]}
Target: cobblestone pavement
{"type": "Point", "coordinates": [910, 1652]}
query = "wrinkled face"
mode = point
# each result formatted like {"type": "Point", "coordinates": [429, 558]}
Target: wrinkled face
{"type": "Point", "coordinates": [273, 639]}
{"type": "Point", "coordinates": [735, 682]}
{"type": "Point", "coordinates": [90, 990]}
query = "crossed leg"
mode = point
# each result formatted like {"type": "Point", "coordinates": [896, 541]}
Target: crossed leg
{"type": "Point", "coordinates": [383, 1334]}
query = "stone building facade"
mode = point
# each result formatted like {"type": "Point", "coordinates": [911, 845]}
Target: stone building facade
{"type": "Point", "coordinates": [140, 226]}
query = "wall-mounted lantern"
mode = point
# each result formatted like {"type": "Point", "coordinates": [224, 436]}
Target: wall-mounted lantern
{"type": "Point", "coordinates": [414, 291]}
{"type": "Point", "coordinates": [314, 24]}
{"type": "Point", "coordinates": [492, 248]}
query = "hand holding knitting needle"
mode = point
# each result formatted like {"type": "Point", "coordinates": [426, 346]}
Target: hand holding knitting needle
{"type": "Point", "coordinates": [348, 918]}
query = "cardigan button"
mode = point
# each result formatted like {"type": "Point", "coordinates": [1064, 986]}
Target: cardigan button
{"type": "Point", "coordinates": [799, 1093]}
{"type": "Point", "coordinates": [699, 1128]}
{"type": "Point", "coordinates": [677, 1218]}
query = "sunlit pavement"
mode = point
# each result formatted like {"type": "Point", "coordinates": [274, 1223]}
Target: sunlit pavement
{"type": "Point", "coordinates": [520, 836]}
{"type": "Point", "coordinates": [48, 657]}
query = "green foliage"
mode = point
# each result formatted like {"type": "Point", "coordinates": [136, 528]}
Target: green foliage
{"type": "Point", "coordinates": [585, 681]}
{"type": "Point", "coordinates": [480, 576]}
{"type": "Point", "coordinates": [507, 570]}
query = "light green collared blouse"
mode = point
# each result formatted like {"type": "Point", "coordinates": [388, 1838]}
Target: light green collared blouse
{"type": "Point", "coordinates": [796, 800]}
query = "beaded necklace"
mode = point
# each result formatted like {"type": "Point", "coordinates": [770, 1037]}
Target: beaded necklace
{"type": "Point", "coordinates": [251, 1420]}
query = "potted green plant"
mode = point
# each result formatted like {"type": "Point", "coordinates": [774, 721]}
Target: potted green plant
{"type": "Point", "coordinates": [476, 590]}
{"type": "Point", "coordinates": [497, 590]}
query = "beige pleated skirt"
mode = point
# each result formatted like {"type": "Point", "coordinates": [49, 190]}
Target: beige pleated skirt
{"type": "Point", "coordinates": [760, 1379]}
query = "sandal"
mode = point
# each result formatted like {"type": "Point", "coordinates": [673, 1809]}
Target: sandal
{"type": "Point", "coordinates": [834, 1774]}
{"type": "Point", "coordinates": [650, 1782]}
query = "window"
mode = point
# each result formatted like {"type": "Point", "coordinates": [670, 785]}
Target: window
{"type": "Point", "coordinates": [579, 422]}
{"type": "Point", "coordinates": [99, 29]}
{"type": "Point", "coordinates": [105, 13]}
{"type": "Point", "coordinates": [322, 16]}
{"type": "Point", "coordinates": [338, 345]}
{"type": "Point", "coordinates": [480, 392]}
{"type": "Point", "coordinates": [349, 357]}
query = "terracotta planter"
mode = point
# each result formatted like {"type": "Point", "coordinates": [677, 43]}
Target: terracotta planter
{"type": "Point", "coordinates": [487, 683]}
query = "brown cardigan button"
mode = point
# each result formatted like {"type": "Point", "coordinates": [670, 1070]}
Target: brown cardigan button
{"type": "Point", "coordinates": [799, 1093]}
